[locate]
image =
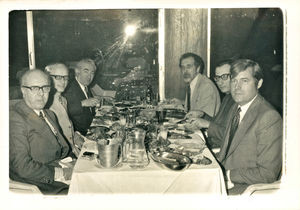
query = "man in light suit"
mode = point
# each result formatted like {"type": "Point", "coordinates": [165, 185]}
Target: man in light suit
{"type": "Point", "coordinates": [217, 125]}
{"type": "Point", "coordinates": [35, 142]}
{"type": "Point", "coordinates": [202, 95]}
{"type": "Point", "coordinates": [81, 103]}
{"type": "Point", "coordinates": [252, 150]}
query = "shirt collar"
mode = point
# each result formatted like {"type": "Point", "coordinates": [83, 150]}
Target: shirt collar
{"type": "Point", "coordinates": [38, 112]}
{"type": "Point", "coordinates": [245, 107]}
{"type": "Point", "coordinates": [82, 87]}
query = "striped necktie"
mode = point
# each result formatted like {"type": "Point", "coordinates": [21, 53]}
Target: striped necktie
{"type": "Point", "coordinates": [52, 128]}
{"type": "Point", "coordinates": [43, 117]}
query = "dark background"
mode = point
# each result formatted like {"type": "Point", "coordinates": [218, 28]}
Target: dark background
{"type": "Point", "coordinates": [67, 36]}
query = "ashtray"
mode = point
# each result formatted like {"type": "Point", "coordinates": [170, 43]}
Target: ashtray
{"type": "Point", "coordinates": [171, 161]}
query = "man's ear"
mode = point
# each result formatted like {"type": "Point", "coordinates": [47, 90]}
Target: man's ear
{"type": "Point", "coordinates": [22, 90]}
{"type": "Point", "coordinates": [76, 71]}
{"type": "Point", "coordinates": [259, 84]}
{"type": "Point", "coordinates": [198, 69]}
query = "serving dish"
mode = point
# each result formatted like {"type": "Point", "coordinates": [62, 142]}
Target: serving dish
{"type": "Point", "coordinates": [171, 161]}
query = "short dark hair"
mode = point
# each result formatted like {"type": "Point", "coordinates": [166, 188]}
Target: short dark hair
{"type": "Point", "coordinates": [223, 62]}
{"type": "Point", "coordinates": [242, 64]}
{"type": "Point", "coordinates": [197, 59]}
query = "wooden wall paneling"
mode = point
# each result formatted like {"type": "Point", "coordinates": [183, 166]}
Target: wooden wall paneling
{"type": "Point", "coordinates": [185, 31]}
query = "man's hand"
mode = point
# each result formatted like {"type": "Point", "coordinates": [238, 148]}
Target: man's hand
{"type": "Point", "coordinates": [194, 114]}
{"type": "Point", "coordinates": [90, 102]}
{"type": "Point", "coordinates": [67, 172]}
{"type": "Point", "coordinates": [78, 140]}
{"type": "Point", "coordinates": [198, 122]}
{"type": "Point", "coordinates": [175, 101]}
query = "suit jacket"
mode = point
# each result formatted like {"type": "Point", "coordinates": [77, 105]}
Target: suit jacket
{"type": "Point", "coordinates": [60, 110]}
{"type": "Point", "coordinates": [205, 96]}
{"type": "Point", "coordinates": [33, 148]}
{"type": "Point", "coordinates": [81, 117]}
{"type": "Point", "coordinates": [255, 154]}
{"type": "Point", "coordinates": [217, 126]}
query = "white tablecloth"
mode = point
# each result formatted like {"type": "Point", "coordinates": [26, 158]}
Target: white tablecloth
{"type": "Point", "coordinates": [89, 177]}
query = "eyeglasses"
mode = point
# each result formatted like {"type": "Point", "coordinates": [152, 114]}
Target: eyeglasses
{"type": "Point", "coordinates": [223, 77]}
{"type": "Point", "coordinates": [36, 89]}
{"type": "Point", "coordinates": [59, 77]}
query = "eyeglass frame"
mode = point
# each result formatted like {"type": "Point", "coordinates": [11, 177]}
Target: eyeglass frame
{"type": "Point", "coordinates": [60, 77]}
{"type": "Point", "coordinates": [223, 77]}
{"type": "Point", "coordinates": [36, 89]}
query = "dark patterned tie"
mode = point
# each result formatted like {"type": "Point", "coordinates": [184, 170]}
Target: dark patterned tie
{"type": "Point", "coordinates": [54, 131]}
{"type": "Point", "coordinates": [87, 91]}
{"type": "Point", "coordinates": [234, 125]}
{"type": "Point", "coordinates": [188, 95]}
{"type": "Point", "coordinates": [88, 96]}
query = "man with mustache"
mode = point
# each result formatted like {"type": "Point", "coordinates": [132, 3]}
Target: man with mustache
{"type": "Point", "coordinates": [202, 96]}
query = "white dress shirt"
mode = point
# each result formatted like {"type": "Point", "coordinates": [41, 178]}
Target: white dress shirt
{"type": "Point", "coordinates": [244, 108]}
{"type": "Point", "coordinates": [192, 86]}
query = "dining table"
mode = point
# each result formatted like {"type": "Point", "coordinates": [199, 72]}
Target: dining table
{"type": "Point", "coordinates": [89, 177]}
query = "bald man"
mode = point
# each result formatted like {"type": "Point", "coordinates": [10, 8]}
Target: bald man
{"type": "Point", "coordinates": [35, 141]}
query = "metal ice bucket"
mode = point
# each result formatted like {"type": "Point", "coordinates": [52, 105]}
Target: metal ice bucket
{"type": "Point", "coordinates": [110, 152]}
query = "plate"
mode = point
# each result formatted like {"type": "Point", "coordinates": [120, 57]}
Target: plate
{"type": "Point", "coordinates": [171, 161]}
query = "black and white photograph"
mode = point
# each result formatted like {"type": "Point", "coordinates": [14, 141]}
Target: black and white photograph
{"type": "Point", "coordinates": [132, 104]}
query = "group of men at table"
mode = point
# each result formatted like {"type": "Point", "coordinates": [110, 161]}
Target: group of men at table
{"type": "Point", "coordinates": [47, 124]}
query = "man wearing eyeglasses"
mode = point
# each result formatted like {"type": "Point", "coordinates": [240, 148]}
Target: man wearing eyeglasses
{"type": "Point", "coordinates": [252, 149]}
{"type": "Point", "coordinates": [81, 103]}
{"type": "Point", "coordinates": [35, 142]}
{"type": "Point", "coordinates": [217, 125]}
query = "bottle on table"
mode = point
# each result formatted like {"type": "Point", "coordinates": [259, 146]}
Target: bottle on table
{"type": "Point", "coordinates": [149, 94]}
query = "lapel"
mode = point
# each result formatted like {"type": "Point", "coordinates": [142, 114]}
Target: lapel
{"type": "Point", "coordinates": [224, 148]}
{"type": "Point", "coordinates": [37, 123]}
{"type": "Point", "coordinates": [245, 124]}
{"type": "Point", "coordinates": [55, 125]}
{"type": "Point", "coordinates": [79, 90]}
{"type": "Point", "coordinates": [82, 96]}
{"type": "Point", "coordinates": [41, 126]}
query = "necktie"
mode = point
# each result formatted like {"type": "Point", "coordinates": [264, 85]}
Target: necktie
{"type": "Point", "coordinates": [54, 131]}
{"type": "Point", "coordinates": [87, 92]}
{"type": "Point", "coordinates": [234, 125]}
{"type": "Point", "coordinates": [41, 115]}
{"type": "Point", "coordinates": [88, 95]}
{"type": "Point", "coordinates": [188, 96]}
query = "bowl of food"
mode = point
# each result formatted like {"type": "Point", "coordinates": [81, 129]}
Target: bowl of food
{"type": "Point", "coordinates": [172, 161]}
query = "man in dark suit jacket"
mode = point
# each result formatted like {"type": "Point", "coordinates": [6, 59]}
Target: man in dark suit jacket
{"type": "Point", "coordinates": [252, 152]}
{"type": "Point", "coordinates": [81, 103]}
{"type": "Point", "coordinates": [35, 142]}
